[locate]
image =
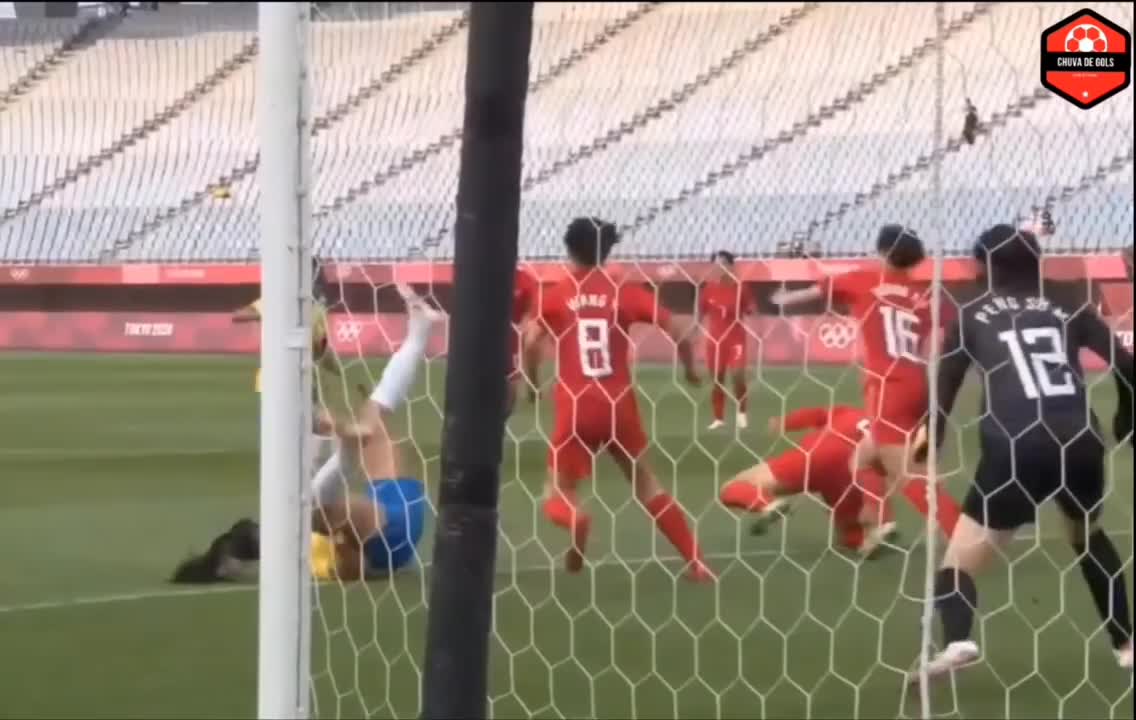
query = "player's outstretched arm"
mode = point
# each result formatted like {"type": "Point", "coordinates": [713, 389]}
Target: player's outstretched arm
{"type": "Point", "coordinates": [953, 364]}
{"type": "Point", "coordinates": [532, 339]}
{"type": "Point", "coordinates": [644, 308]}
{"type": "Point", "coordinates": [249, 313]}
{"type": "Point", "coordinates": [685, 348]}
{"type": "Point", "coordinates": [1096, 335]}
{"type": "Point", "coordinates": [791, 298]}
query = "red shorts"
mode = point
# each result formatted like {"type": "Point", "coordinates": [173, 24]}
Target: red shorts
{"type": "Point", "coordinates": [589, 423]}
{"type": "Point", "coordinates": [896, 410]}
{"type": "Point", "coordinates": [726, 354]}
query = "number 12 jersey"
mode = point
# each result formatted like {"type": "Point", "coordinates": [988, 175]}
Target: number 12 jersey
{"type": "Point", "coordinates": [1027, 346]}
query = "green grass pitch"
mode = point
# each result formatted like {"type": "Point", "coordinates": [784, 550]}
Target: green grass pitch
{"type": "Point", "coordinates": [114, 467]}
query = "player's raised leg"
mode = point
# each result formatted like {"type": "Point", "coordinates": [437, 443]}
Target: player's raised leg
{"type": "Point", "coordinates": [668, 515]}
{"type": "Point", "coordinates": [718, 388]}
{"type": "Point", "coordinates": [397, 379]}
{"type": "Point", "coordinates": [970, 550]}
{"type": "Point", "coordinates": [741, 387]}
{"type": "Point", "coordinates": [759, 490]}
{"type": "Point", "coordinates": [1103, 571]}
{"type": "Point", "coordinates": [375, 531]}
{"type": "Point", "coordinates": [724, 304]}
{"type": "Point", "coordinates": [892, 446]}
{"type": "Point", "coordinates": [1080, 502]}
{"type": "Point", "coordinates": [570, 461]}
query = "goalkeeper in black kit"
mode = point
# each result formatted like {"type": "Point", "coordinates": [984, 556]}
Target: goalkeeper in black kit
{"type": "Point", "coordinates": [1039, 437]}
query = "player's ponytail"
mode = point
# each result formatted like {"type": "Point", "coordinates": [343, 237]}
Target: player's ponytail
{"type": "Point", "coordinates": [225, 558]}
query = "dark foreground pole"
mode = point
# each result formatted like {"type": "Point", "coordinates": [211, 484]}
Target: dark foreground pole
{"type": "Point", "coordinates": [455, 681]}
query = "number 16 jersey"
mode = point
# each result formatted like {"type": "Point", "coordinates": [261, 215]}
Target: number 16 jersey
{"type": "Point", "coordinates": [589, 316]}
{"type": "Point", "coordinates": [893, 318]}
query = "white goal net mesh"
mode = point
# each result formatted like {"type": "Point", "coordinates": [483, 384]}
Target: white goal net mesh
{"type": "Point", "coordinates": [771, 131]}
{"type": "Point", "coordinates": [783, 133]}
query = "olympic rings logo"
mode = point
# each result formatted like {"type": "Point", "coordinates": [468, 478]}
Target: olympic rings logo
{"type": "Point", "coordinates": [348, 331]}
{"type": "Point", "coordinates": [836, 335]}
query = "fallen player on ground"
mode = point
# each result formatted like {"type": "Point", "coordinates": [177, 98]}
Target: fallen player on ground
{"type": "Point", "coordinates": [356, 534]}
{"type": "Point", "coordinates": [821, 464]}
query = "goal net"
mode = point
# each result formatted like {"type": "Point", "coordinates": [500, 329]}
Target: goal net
{"type": "Point", "coordinates": [785, 134]}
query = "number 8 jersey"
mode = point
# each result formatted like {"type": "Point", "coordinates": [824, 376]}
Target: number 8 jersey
{"type": "Point", "coordinates": [589, 315]}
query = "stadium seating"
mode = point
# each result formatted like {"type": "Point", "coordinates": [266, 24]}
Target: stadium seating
{"type": "Point", "coordinates": [28, 42]}
{"type": "Point", "coordinates": [696, 125]}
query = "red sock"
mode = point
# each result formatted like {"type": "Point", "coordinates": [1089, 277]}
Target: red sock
{"type": "Point", "coordinates": [671, 521]}
{"type": "Point", "coordinates": [947, 513]}
{"type": "Point", "coordinates": [564, 514]}
{"type": "Point", "coordinates": [718, 401]}
{"type": "Point", "coordinates": [741, 392]}
{"type": "Point", "coordinates": [743, 495]}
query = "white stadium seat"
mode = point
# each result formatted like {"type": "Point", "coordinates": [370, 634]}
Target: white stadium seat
{"type": "Point", "coordinates": [655, 127]}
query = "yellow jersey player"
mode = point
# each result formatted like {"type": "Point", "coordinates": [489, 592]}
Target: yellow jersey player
{"type": "Point", "coordinates": [322, 359]}
{"type": "Point", "coordinates": [355, 534]}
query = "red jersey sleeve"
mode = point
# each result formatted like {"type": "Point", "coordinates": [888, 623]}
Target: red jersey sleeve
{"type": "Point", "coordinates": [639, 305]}
{"type": "Point", "coordinates": [845, 288]}
{"type": "Point", "coordinates": [525, 297]}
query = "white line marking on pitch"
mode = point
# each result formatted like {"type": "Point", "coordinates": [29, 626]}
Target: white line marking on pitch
{"type": "Point", "coordinates": [608, 560]}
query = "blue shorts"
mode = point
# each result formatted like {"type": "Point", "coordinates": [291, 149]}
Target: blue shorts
{"type": "Point", "coordinates": [404, 503]}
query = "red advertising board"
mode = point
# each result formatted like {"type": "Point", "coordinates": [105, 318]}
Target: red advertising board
{"type": "Point", "coordinates": [1099, 267]}
{"type": "Point", "coordinates": [796, 340]}
{"type": "Point", "coordinates": [132, 328]}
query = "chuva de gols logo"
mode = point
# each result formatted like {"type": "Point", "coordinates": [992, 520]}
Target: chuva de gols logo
{"type": "Point", "coordinates": [1086, 58]}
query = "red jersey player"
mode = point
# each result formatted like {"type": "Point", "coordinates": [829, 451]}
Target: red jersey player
{"type": "Point", "coordinates": [892, 314]}
{"type": "Point", "coordinates": [821, 464]}
{"type": "Point", "coordinates": [722, 307]}
{"type": "Point", "coordinates": [526, 289]}
{"type": "Point", "coordinates": [588, 315]}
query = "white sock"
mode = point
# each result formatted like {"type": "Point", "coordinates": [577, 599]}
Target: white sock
{"type": "Point", "coordinates": [401, 371]}
{"type": "Point", "coordinates": [333, 478]}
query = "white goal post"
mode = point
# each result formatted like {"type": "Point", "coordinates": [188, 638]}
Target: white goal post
{"type": "Point", "coordinates": [283, 102]}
